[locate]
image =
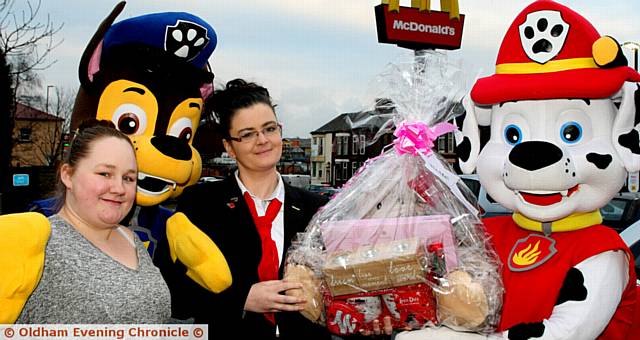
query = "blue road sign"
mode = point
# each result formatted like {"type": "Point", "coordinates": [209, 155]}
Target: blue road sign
{"type": "Point", "coordinates": [20, 180]}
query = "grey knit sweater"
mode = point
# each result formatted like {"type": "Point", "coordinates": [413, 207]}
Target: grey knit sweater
{"type": "Point", "coordinates": [81, 284]}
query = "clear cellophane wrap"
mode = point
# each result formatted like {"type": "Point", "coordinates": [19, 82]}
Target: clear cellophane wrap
{"type": "Point", "coordinates": [402, 239]}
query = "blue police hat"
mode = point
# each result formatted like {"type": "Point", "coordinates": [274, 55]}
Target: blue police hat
{"type": "Point", "coordinates": [181, 34]}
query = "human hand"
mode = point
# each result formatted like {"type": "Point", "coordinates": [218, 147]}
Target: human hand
{"type": "Point", "coordinates": [265, 297]}
{"type": "Point", "coordinates": [386, 329]}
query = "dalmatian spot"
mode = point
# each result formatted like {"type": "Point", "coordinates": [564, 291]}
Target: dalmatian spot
{"type": "Point", "coordinates": [524, 331]}
{"type": "Point", "coordinates": [185, 39]}
{"type": "Point", "coordinates": [463, 150]}
{"type": "Point", "coordinates": [600, 161]}
{"type": "Point", "coordinates": [543, 35]}
{"type": "Point", "coordinates": [631, 141]}
{"type": "Point", "coordinates": [573, 288]}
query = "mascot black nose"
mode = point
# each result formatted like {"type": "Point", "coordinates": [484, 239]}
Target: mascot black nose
{"type": "Point", "coordinates": [535, 155]}
{"type": "Point", "coordinates": [173, 147]}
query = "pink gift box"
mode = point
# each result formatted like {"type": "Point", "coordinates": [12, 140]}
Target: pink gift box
{"type": "Point", "coordinates": [350, 234]}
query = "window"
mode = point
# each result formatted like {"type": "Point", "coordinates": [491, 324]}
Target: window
{"type": "Point", "coordinates": [450, 142]}
{"type": "Point", "coordinates": [354, 148]}
{"type": "Point", "coordinates": [339, 151]}
{"type": "Point", "coordinates": [320, 143]}
{"type": "Point", "coordinates": [320, 173]}
{"type": "Point", "coordinates": [338, 172]}
{"type": "Point", "coordinates": [354, 168]}
{"type": "Point", "coordinates": [441, 144]}
{"type": "Point", "coordinates": [362, 144]}
{"type": "Point", "coordinates": [313, 169]}
{"type": "Point", "coordinates": [345, 168]}
{"type": "Point", "coordinates": [25, 135]}
{"type": "Point", "coordinates": [345, 145]}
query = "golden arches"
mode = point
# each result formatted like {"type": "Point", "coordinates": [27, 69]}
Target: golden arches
{"type": "Point", "coordinates": [450, 6]}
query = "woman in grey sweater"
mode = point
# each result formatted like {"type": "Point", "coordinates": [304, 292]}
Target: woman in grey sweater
{"type": "Point", "coordinates": [95, 270]}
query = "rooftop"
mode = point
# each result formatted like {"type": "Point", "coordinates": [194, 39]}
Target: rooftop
{"type": "Point", "coordinates": [29, 113]}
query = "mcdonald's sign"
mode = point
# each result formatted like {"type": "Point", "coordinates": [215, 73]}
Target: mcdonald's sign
{"type": "Point", "coordinates": [418, 27]}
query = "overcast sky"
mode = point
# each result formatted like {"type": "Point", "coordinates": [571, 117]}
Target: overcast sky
{"type": "Point", "coordinates": [317, 57]}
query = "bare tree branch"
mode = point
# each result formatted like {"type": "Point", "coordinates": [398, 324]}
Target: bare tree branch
{"type": "Point", "coordinates": [25, 36]}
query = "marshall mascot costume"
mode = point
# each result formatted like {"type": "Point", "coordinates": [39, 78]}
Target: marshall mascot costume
{"type": "Point", "coordinates": [149, 75]}
{"type": "Point", "coordinates": [561, 113]}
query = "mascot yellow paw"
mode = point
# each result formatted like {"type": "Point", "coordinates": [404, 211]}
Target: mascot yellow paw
{"type": "Point", "coordinates": [23, 239]}
{"type": "Point", "coordinates": [204, 261]}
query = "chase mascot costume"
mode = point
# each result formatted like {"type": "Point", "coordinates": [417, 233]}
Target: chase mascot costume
{"type": "Point", "coordinates": [148, 75]}
{"type": "Point", "coordinates": [561, 113]}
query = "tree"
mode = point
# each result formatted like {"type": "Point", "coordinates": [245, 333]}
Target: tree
{"type": "Point", "coordinates": [6, 127]}
{"type": "Point", "coordinates": [26, 40]}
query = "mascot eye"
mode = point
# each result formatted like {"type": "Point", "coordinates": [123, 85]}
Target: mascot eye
{"type": "Point", "coordinates": [512, 134]}
{"type": "Point", "coordinates": [130, 119]}
{"type": "Point", "coordinates": [571, 132]}
{"type": "Point", "coordinates": [182, 128]}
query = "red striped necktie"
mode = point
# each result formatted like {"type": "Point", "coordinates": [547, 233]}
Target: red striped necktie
{"type": "Point", "coordinates": [269, 263]}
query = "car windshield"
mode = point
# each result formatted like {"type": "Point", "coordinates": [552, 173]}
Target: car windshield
{"type": "Point", "coordinates": [614, 209]}
{"type": "Point", "coordinates": [472, 184]}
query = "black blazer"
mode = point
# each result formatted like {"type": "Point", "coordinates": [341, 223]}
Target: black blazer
{"type": "Point", "coordinates": [220, 211]}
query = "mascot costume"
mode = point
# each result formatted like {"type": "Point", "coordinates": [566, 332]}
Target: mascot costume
{"type": "Point", "coordinates": [148, 75]}
{"type": "Point", "coordinates": [561, 113]}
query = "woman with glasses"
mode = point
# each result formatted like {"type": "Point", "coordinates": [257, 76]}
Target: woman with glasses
{"type": "Point", "coordinates": [252, 216]}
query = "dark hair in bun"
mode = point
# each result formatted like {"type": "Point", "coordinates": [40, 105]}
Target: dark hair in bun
{"type": "Point", "coordinates": [237, 94]}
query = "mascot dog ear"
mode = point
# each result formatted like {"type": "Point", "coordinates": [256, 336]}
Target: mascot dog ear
{"type": "Point", "coordinates": [625, 134]}
{"type": "Point", "coordinates": [469, 148]}
{"type": "Point", "coordinates": [89, 66]}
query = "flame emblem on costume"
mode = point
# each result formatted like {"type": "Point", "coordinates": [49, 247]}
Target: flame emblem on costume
{"type": "Point", "coordinates": [531, 252]}
{"type": "Point", "coordinates": [527, 255]}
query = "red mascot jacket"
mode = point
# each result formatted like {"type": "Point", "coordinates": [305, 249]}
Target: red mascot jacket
{"type": "Point", "coordinates": [530, 295]}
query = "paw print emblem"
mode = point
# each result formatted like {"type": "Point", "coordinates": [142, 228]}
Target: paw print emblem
{"type": "Point", "coordinates": [185, 39]}
{"type": "Point", "coordinates": [543, 35]}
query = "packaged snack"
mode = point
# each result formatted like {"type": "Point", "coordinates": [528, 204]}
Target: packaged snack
{"type": "Point", "coordinates": [411, 306]}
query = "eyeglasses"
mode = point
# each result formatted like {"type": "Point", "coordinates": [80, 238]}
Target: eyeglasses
{"type": "Point", "coordinates": [271, 130]}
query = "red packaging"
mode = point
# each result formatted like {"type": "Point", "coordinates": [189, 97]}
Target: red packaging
{"type": "Point", "coordinates": [408, 306]}
{"type": "Point", "coordinates": [411, 306]}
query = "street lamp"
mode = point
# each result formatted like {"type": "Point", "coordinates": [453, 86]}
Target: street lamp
{"type": "Point", "coordinates": [634, 46]}
{"type": "Point", "coordinates": [47, 102]}
{"type": "Point", "coordinates": [632, 177]}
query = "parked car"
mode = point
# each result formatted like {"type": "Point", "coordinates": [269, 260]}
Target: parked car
{"type": "Point", "coordinates": [323, 190]}
{"type": "Point", "coordinates": [622, 211]}
{"type": "Point", "coordinates": [206, 179]}
{"type": "Point", "coordinates": [300, 181]}
{"type": "Point", "coordinates": [631, 236]}
{"type": "Point", "coordinates": [488, 206]}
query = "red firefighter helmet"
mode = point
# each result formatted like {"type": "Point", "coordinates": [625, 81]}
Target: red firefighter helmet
{"type": "Point", "coordinates": [552, 52]}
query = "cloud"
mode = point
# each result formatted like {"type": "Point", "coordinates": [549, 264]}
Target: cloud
{"type": "Point", "coordinates": [317, 57]}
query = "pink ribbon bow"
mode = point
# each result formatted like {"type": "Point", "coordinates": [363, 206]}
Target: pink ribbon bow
{"type": "Point", "coordinates": [417, 137]}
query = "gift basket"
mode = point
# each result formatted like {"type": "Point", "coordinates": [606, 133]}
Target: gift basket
{"type": "Point", "coordinates": [402, 239]}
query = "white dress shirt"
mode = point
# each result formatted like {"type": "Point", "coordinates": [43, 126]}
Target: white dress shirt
{"type": "Point", "coordinates": [277, 227]}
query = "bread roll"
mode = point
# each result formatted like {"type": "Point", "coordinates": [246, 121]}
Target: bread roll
{"type": "Point", "coordinates": [463, 303]}
{"type": "Point", "coordinates": [310, 290]}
